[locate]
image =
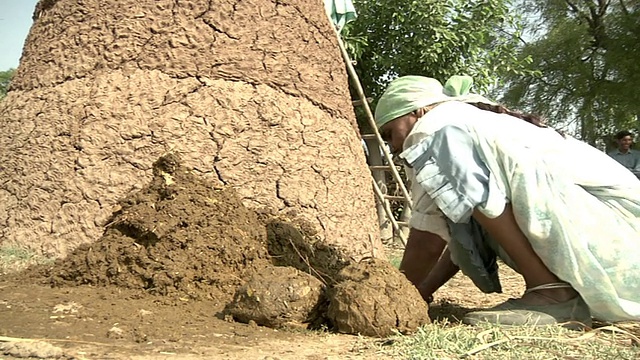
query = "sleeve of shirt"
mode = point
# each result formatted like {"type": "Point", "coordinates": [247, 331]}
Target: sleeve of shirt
{"type": "Point", "coordinates": [425, 215]}
{"type": "Point", "coordinates": [636, 169]}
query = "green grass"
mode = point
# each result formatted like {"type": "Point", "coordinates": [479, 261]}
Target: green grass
{"type": "Point", "coordinates": [395, 261]}
{"type": "Point", "coordinates": [14, 259]}
{"type": "Point", "coordinates": [447, 341]}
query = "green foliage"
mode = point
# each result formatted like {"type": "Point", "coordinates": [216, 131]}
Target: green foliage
{"type": "Point", "coordinates": [5, 79]}
{"type": "Point", "coordinates": [354, 44]}
{"type": "Point", "coordinates": [434, 38]}
{"type": "Point", "coordinates": [587, 61]}
{"type": "Point", "coordinates": [395, 260]}
{"type": "Point", "coordinates": [14, 259]}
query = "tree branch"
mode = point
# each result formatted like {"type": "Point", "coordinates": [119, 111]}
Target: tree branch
{"type": "Point", "coordinates": [579, 14]}
{"type": "Point", "coordinates": [624, 7]}
{"type": "Point", "coordinates": [523, 41]}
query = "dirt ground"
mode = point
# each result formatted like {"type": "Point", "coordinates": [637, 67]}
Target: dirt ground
{"type": "Point", "coordinates": [172, 259]}
{"type": "Point", "coordinates": [159, 282]}
{"type": "Point", "coordinates": [89, 322]}
{"type": "Point", "coordinates": [185, 271]}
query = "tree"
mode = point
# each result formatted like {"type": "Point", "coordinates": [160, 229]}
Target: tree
{"type": "Point", "coordinates": [5, 79]}
{"type": "Point", "coordinates": [586, 55]}
{"type": "Point", "coordinates": [251, 94]}
{"type": "Point", "coordinates": [436, 39]}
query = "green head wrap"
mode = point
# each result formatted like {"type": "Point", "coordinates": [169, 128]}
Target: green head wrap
{"type": "Point", "coordinates": [410, 93]}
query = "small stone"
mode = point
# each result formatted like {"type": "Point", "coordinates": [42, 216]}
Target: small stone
{"type": "Point", "coordinates": [115, 333]}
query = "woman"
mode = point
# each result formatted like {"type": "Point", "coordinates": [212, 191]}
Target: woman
{"type": "Point", "coordinates": [488, 182]}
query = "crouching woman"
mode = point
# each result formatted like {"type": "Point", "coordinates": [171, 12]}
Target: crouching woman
{"type": "Point", "coordinates": [490, 183]}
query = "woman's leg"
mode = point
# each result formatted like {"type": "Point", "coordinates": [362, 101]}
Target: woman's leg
{"type": "Point", "coordinates": [506, 232]}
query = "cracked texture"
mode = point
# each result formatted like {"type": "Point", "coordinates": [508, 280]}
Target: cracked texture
{"type": "Point", "coordinates": [372, 298]}
{"type": "Point", "coordinates": [249, 93]}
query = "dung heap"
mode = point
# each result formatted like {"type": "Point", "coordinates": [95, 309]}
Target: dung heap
{"type": "Point", "coordinates": [184, 237]}
{"type": "Point", "coordinates": [180, 236]}
{"type": "Point", "coordinates": [373, 298]}
{"type": "Point", "coordinates": [279, 297]}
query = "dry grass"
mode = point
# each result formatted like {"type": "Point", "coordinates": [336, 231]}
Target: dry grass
{"type": "Point", "coordinates": [447, 338]}
{"type": "Point", "coordinates": [443, 340]}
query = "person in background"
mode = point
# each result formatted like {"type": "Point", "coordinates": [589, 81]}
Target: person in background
{"type": "Point", "coordinates": [489, 183]}
{"type": "Point", "coordinates": [624, 154]}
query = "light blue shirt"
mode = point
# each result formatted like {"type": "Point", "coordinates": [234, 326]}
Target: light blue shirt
{"type": "Point", "coordinates": [630, 160]}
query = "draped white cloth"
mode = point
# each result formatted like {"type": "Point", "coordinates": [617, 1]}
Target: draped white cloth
{"type": "Point", "coordinates": [579, 208]}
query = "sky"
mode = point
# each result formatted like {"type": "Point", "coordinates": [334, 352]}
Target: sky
{"type": "Point", "coordinates": [15, 22]}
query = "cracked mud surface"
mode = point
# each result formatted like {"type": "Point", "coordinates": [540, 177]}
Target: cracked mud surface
{"type": "Point", "coordinates": [373, 298]}
{"type": "Point", "coordinates": [252, 94]}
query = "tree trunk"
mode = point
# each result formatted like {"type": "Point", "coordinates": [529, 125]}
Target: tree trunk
{"type": "Point", "coordinates": [252, 93]}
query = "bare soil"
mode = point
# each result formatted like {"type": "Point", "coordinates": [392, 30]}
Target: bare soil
{"type": "Point", "coordinates": [103, 322]}
{"type": "Point", "coordinates": [184, 270]}
{"type": "Point", "coordinates": [114, 323]}
{"type": "Point", "coordinates": [169, 276]}
{"type": "Point", "coordinates": [168, 280]}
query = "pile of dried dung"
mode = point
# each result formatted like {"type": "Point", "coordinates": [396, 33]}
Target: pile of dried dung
{"type": "Point", "coordinates": [185, 237]}
{"type": "Point", "coordinates": [373, 298]}
{"type": "Point", "coordinates": [180, 235]}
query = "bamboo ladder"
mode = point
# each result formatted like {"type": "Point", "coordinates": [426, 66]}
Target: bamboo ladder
{"type": "Point", "coordinates": [382, 197]}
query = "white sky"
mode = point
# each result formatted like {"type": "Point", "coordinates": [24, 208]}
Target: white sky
{"type": "Point", "coordinates": [15, 22]}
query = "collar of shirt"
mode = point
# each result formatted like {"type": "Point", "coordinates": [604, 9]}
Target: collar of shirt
{"type": "Point", "coordinates": [618, 152]}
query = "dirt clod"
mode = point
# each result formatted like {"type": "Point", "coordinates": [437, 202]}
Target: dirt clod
{"type": "Point", "coordinates": [179, 236]}
{"type": "Point", "coordinates": [373, 298]}
{"type": "Point", "coordinates": [278, 297]}
{"type": "Point", "coordinates": [31, 350]}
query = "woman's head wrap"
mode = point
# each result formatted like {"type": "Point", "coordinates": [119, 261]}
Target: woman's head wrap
{"type": "Point", "coordinates": [410, 93]}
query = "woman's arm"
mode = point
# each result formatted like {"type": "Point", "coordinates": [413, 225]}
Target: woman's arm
{"type": "Point", "coordinates": [442, 272]}
{"type": "Point", "coordinates": [420, 255]}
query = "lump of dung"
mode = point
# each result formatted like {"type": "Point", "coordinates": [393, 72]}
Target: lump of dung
{"type": "Point", "coordinates": [293, 243]}
{"type": "Point", "coordinates": [180, 235]}
{"type": "Point", "coordinates": [278, 297]}
{"type": "Point", "coordinates": [373, 298]}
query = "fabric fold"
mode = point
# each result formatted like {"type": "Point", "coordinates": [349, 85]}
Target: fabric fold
{"type": "Point", "coordinates": [451, 171]}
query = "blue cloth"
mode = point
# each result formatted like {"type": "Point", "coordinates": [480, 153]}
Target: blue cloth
{"type": "Point", "coordinates": [450, 168]}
